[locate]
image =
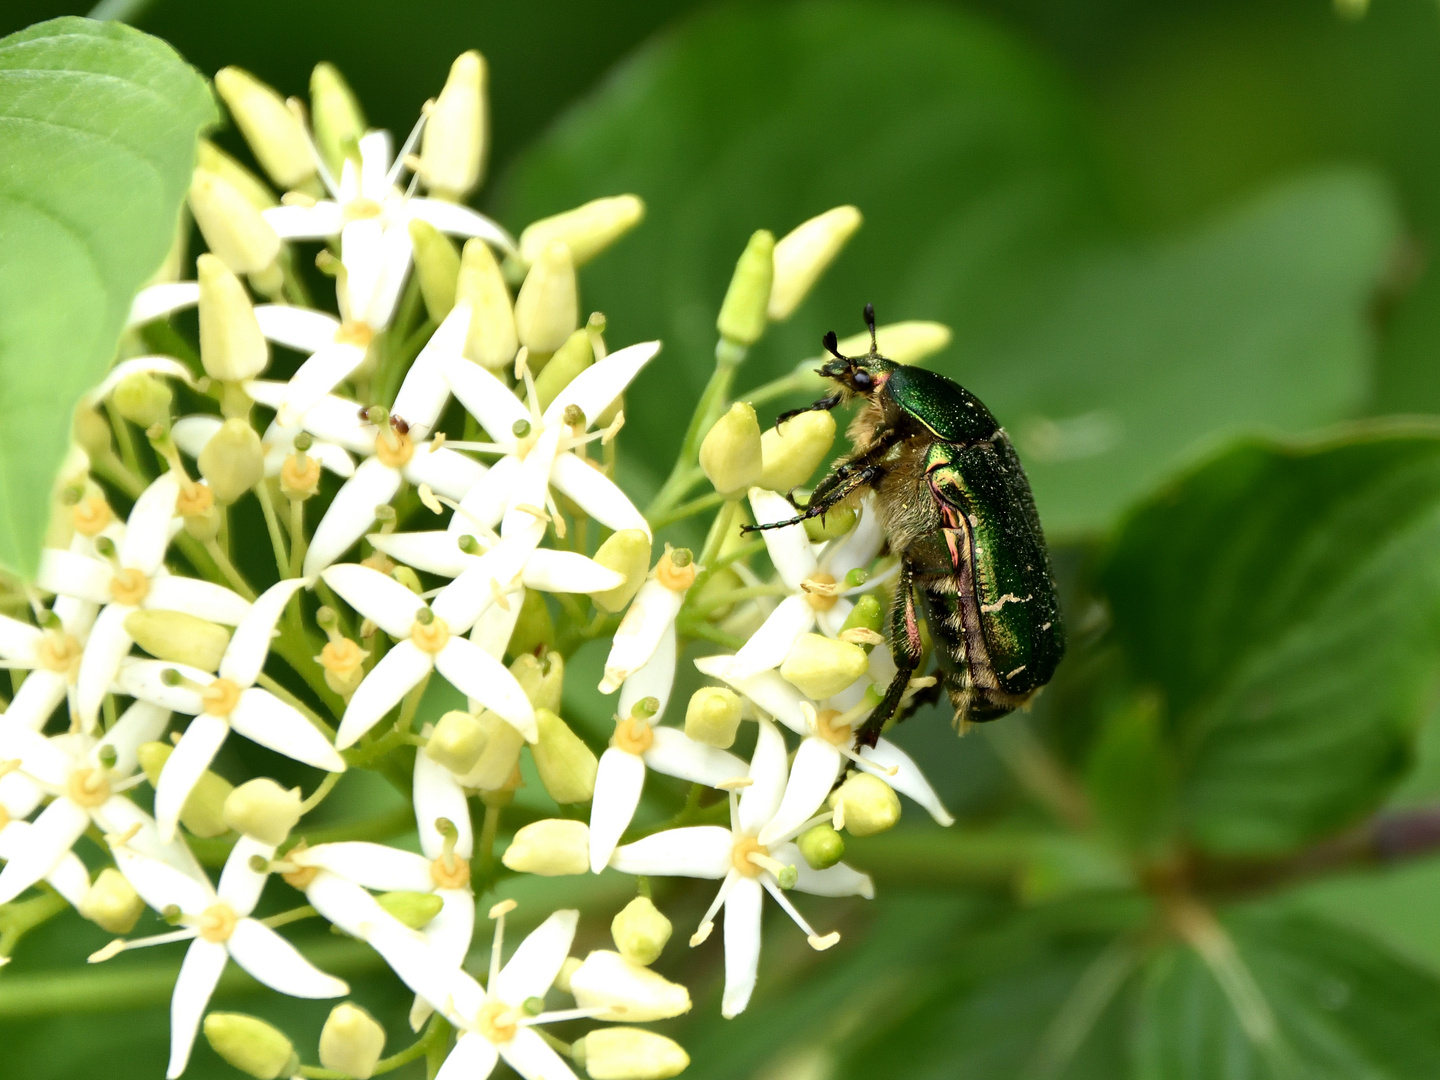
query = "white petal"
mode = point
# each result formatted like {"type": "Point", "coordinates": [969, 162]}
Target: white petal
{"type": "Point", "coordinates": [165, 366]}
{"type": "Point", "coordinates": [655, 679]}
{"type": "Point", "coordinates": [676, 754]}
{"type": "Point", "coordinates": [771, 643]}
{"type": "Point", "coordinates": [767, 690]}
{"type": "Point", "coordinates": [478, 675]}
{"type": "Point", "coordinates": [302, 329]}
{"type": "Point", "coordinates": [742, 944]}
{"type": "Point", "coordinates": [306, 222]}
{"type": "Point", "coordinates": [157, 301]}
{"type": "Point", "coordinates": [568, 572]}
{"type": "Point", "coordinates": [147, 530]}
{"type": "Point", "coordinates": [69, 878]}
{"type": "Point", "coordinates": [36, 699]}
{"type": "Point", "coordinates": [200, 971]}
{"type": "Point", "coordinates": [532, 484]}
{"type": "Point", "coordinates": [45, 760]}
{"type": "Point", "coordinates": [435, 552]}
{"type": "Point", "coordinates": [859, 546]}
{"type": "Point", "coordinates": [651, 612]}
{"type": "Point", "coordinates": [203, 599]}
{"type": "Point", "coordinates": [145, 680]}
{"type": "Point", "coordinates": [263, 718]}
{"type": "Point", "coordinates": [334, 419]}
{"type": "Point", "coordinates": [701, 851]}
{"type": "Point", "coordinates": [448, 473]}
{"type": "Point", "coordinates": [761, 799]}
{"type": "Point", "coordinates": [496, 624]}
{"type": "Point", "coordinates": [537, 961]}
{"type": "Point", "coordinates": [278, 964]}
{"type": "Point", "coordinates": [183, 768]}
{"type": "Point", "coordinates": [473, 1057]}
{"type": "Point", "coordinates": [19, 796]}
{"type": "Point", "coordinates": [69, 574]}
{"type": "Point", "coordinates": [250, 644]}
{"type": "Point", "coordinates": [19, 640]}
{"type": "Point", "coordinates": [100, 662]}
{"type": "Point", "coordinates": [362, 250]}
{"type": "Point", "coordinates": [812, 775]}
{"type": "Point", "coordinates": [837, 880]}
{"type": "Point", "coordinates": [140, 723]}
{"type": "Point", "coordinates": [789, 548]}
{"type": "Point", "coordinates": [379, 597]}
{"type": "Point", "coordinates": [332, 457]}
{"type": "Point", "coordinates": [397, 673]}
{"type": "Point", "coordinates": [240, 886]}
{"type": "Point", "coordinates": [484, 504]}
{"type": "Point", "coordinates": [906, 779]}
{"type": "Point", "coordinates": [833, 621]}
{"type": "Point", "coordinates": [161, 885]}
{"type": "Point", "coordinates": [315, 378]}
{"type": "Point", "coordinates": [460, 220]}
{"type": "Point", "coordinates": [118, 816]}
{"type": "Point", "coordinates": [596, 388]}
{"type": "Point", "coordinates": [376, 154]}
{"type": "Point", "coordinates": [425, 390]}
{"type": "Point", "coordinates": [533, 1058]}
{"type": "Point", "coordinates": [449, 933]}
{"type": "Point", "coordinates": [596, 494]}
{"type": "Point", "coordinates": [375, 866]}
{"type": "Point", "coordinates": [487, 399]}
{"type": "Point", "coordinates": [351, 513]}
{"type": "Point", "coordinates": [191, 433]}
{"type": "Point", "coordinates": [395, 257]}
{"type": "Point", "coordinates": [49, 839]}
{"type": "Point", "coordinates": [439, 795]}
{"type": "Point", "coordinates": [618, 783]}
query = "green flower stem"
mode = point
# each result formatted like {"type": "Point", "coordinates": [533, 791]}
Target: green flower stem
{"type": "Point", "coordinates": [559, 1046]}
{"type": "Point", "coordinates": [284, 918]}
{"type": "Point", "coordinates": [227, 569]}
{"type": "Point", "coordinates": [19, 917]}
{"type": "Point", "coordinates": [684, 475]}
{"type": "Point", "coordinates": [718, 528]}
{"type": "Point", "coordinates": [298, 543]}
{"type": "Point", "coordinates": [488, 830]}
{"type": "Point", "coordinates": [318, 795]}
{"type": "Point", "coordinates": [802, 380]}
{"type": "Point", "coordinates": [698, 628]}
{"type": "Point", "coordinates": [689, 509]}
{"type": "Point", "coordinates": [111, 469]}
{"type": "Point", "coordinates": [293, 289]}
{"type": "Point", "coordinates": [272, 526]}
{"type": "Point", "coordinates": [123, 438]}
{"type": "Point", "coordinates": [748, 592]}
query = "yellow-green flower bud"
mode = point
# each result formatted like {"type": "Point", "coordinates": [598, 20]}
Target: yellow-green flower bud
{"type": "Point", "coordinates": [143, 399]}
{"type": "Point", "coordinates": [821, 846]}
{"type": "Point", "coordinates": [792, 451]}
{"type": "Point", "coordinates": [492, 340]}
{"type": "Point", "coordinates": [335, 115]}
{"type": "Point", "coordinates": [626, 991]}
{"type": "Point", "coordinates": [547, 310]}
{"type": "Point", "coordinates": [713, 716]}
{"type": "Point", "coordinates": [804, 253]}
{"type": "Point", "coordinates": [263, 810]}
{"type": "Point", "coordinates": [566, 765]}
{"type": "Point", "coordinates": [91, 430]}
{"type": "Point", "coordinates": [210, 158]}
{"type": "Point", "coordinates": [409, 578]}
{"type": "Point", "coordinates": [862, 625]}
{"type": "Point", "coordinates": [178, 637]}
{"type": "Point", "coordinates": [743, 314]}
{"type": "Point", "coordinates": [640, 931]}
{"type": "Point", "coordinates": [550, 848]}
{"type": "Point", "coordinates": [452, 152]}
{"type": "Point", "coordinates": [233, 461]}
{"type": "Point", "coordinates": [251, 1045]}
{"type": "Point", "coordinates": [730, 453]}
{"type": "Point", "coordinates": [437, 265]}
{"type": "Point", "coordinates": [203, 525]}
{"type": "Point", "coordinates": [414, 909]}
{"type": "Point", "coordinates": [203, 814]}
{"type": "Point", "coordinates": [626, 552]}
{"type": "Point", "coordinates": [837, 522]}
{"type": "Point", "coordinates": [351, 1041]}
{"type": "Point", "coordinates": [234, 229]}
{"type": "Point", "coordinates": [112, 903]}
{"type": "Point", "coordinates": [904, 342]}
{"type": "Point", "coordinates": [626, 1053]}
{"type": "Point", "coordinates": [457, 742]}
{"type": "Point", "coordinates": [534, 628]}
{"type": "Point", "coordinates": [497, 762]}
{"type": "Point", "coordinates": [232, 347]}
{"type": "Point", "coordinates": [274, 133]}
{"type": "Point", "coordinates": [819, 666]}
{"type": "Point", "coordinates": [867, 804]}
{"type": "Point", "coordinates": [569, 360]}
{"type": "Point", "coordinates": [543, 680]}
{"type": "Point", "coordinates": [567, 969]}
{"type": "Point", "coordinates": [586, 231]}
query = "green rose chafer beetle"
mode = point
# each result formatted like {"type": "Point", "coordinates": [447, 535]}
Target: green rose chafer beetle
{"type": "Point", "coordinates": [957, 510]}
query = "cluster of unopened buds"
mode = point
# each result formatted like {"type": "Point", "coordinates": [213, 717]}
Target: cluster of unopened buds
{"type": "Point", "coordinates": [436, 486]}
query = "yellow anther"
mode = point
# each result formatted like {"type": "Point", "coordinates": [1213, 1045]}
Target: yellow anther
{"type": "Point", "coordinates": [633, 735]}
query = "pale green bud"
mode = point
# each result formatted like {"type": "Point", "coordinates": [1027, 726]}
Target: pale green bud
{"type": "Point", "coordinates": [821, 846]}
{"type": "Point", "coordinates": [567, 969]}
{"type": "Point", "coordinates": [743, 314]}
{"type": "Point", "coordinates": [143, 399]}
{"type": "Point", "coordinates": [457, 742]}
{"type": "Point", "coordinates": [862, 625]}
{"type": "Point", "coordinates": [543, 680]}
{"type": "Point", "coordinates": [409, 578]}
{"type": "Point", "coordinates": [547, 311]}
{"type": "Point", "coordinates": [263, 810]}
{"type": "Point", "coordinates": [274, 133]}
{"type": "Point", "coordinates": [550, 848]}
{"type": "Point", "coordinates": [414, 909]}
{"type": "Point", "coordinates": [640, 931]}
{"type": "Point", "coordinates": [534, 628]}
{"type": "Point", "coordinates": [626, 1053]}
{"type": "Point", "coordinates": [625, 990]}
{"type": "Point", "coordinates": [92, 431]}
{"type": "Point", "coordinates": [204, 811]}
{"type": "Point", "coordinates": [351, 1041]}
{"type": "Point", "coordinates": [232, 348]}
{"type": "Point", "coordinates": [804, 253]}
{"type": "Point", "coordinates": [233, 461]}
{"type": "Point", "coordinates": [730, 453]}
{"type": "Point", "coordinates": [178, 637]}
{"type": "Point", "coordinates": [251, 1045]}
{"type": "Point", "coordinates": [792, 451]}
{"type": "Point", "coordinates": [335, 115]}
{"type": "Point", "coordinates": [233, 228]}
{"type": "Point", "coordinates": [437, 265]}
{"type": "Point", "coordinates": [452, 151]}
{"type": "Point", "coordinates": [566, 765]}
{"type": "Point", "coordinates": [836, 522]}
{"type": "Point", "coordinates": [210, 158]}
{"type": "Point", "coordinates": [626, 552]}
{"type": "Point", "coordinates": [713, 716]}
{"type": "Point", "coordinates": [586, 231]}
{"type": "Point", "coordinates": [559, 372]}
{"type": "Point", "coordinates": [867, 804]}
{"type": "Point", "coordinates": [495, 767]}
{"type": "Point", "coordinates": [819, 666]}
{"type": "Point", "coordinates": [112, 903]}
{"type": "Point", "coordinates": [903, 342]}
{"type": "Point", "coordinates": [492, 341]}
{"type": "Point", "coordinates": [204, 525]}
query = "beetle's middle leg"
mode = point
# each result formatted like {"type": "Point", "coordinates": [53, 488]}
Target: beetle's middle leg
{"type": "Point", "coordinates": [824, 500]}
{"type": "Point", "coordinates": [906, 647]}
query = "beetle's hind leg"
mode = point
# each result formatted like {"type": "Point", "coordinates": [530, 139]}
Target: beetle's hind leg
{"type": "Point", "coordinates": [825, 404]}
{"type": "Point", "coordinates": [906, 647]}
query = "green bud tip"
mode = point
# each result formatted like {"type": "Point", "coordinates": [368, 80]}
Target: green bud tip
{"type": "Point", "coordinates": [108, 756]}
{"type": "Point", "coordinates": [520, 428]}
{"type": "Point", "coordinates": [171, 914]}
{"type": "Point", "coordinates": [788, 877]}
{"type": "Point", "coordinates": [105, 546]}
{"type": "Point", "coordinates": [170, 677]}
{"type": "Point", "coordinates": [575, 416]}
{"type": "Point", "coordinates": [645, 708]}
{"type": "Point", "coordinates": [377, 415]}
{"type": "Point", "coordinates": [424, 616]}
{"type": "Point", "coordinates": [533, 1006]}
{"type": "Point", "coordinates": [304, 441]}
{"type": "Point", "coordinates": [326, 618]}
{"type": "Point", "coordinates": [446, 828]}
{"type": "Point", "coordinates": [596, 322]}
{"type": "Point", "coordinates": [258, 864]}
{"type": "Point", "coordinates": [681, 557]}
{"type": "Point", "coordinates": [468, 544]}
{"type": "Point", "coordinates": [857, 577]}
{"type": "Point", "coordinates": [384, 513]}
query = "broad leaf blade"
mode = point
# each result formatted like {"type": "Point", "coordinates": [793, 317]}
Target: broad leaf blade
{"type": "Point", "coordinates": [99, 123]}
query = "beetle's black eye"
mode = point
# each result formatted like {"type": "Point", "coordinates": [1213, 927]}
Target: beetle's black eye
{"type": "Point", "coordinates": [861, 379]}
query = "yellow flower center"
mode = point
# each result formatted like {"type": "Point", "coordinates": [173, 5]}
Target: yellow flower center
{"type": "Point", "coordinates": [59, 652]}
{"type": "Point", "coordinates": [217, 923]}
{"type": "Point", "coordinates": [394, 449]}
{"type": "Point", "coordinates": [359, 209]}
{"type": "Point", "coordinates": [741, 852]}
{"type": "Point", "coordinates": [194, 499]}
{"type": "Point", "coordinates": [450, 872]}
{"type": "Point", "coordinates": [129, 587]}
{"type": "Point", "coordinates": [91, 516]}
{"type": "Point", "coordinates": [341, 656]}
{"type": "Point", "coordinates": [300, 877]}
{"type": "Point", "coordinates": [299, 478]}
{"type": "Point", "coordinates": [826, 727]}
{"type": "Point", "coordinates": [496, 1022]}
{"type": "Point", "coordinates": [355, 333]}
{"type": "Point", "coordinates": [220, 698]}
{"type": "Point", "coordinates": [633, 735]}
{"type": "Point", "coordinates": [88, 786]}
{"type": "Point", "coordinates": [430, 637]}
{"type": "Point", "coordinates": [820, 592]}
{"type": "Point", "coordinates": [675, 578]}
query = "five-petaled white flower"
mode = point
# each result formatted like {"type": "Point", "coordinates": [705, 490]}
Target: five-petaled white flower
{"type": "Point", "coordinates": [135, 578]}
{"type": "Point", "coordinates": [748, 865]}
{"type": "Point", "coordinates": [50, 654]}
{"type": "Point", "coordinates": [218, 920]}
{"type": "Point", "coordinates": [648, 628]}
{"type": "Point", "coordinates": [225, 702]}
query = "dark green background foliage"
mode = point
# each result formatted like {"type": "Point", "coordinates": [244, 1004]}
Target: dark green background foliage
{"type": "Point", "coordinates": [1187, 253]}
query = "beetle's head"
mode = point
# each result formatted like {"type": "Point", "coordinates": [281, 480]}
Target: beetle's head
{"type": "Point", "coordinates": [862, 375]}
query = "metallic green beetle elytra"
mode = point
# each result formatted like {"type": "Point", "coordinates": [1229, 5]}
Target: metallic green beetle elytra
{"type": "Point", "coordinates": [957, 510]}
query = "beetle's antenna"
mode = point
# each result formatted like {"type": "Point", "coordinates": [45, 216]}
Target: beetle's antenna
{"type": "Point", "coordinates": [870, 324]}
{"type": "Point", "coordinates": [832, 344]}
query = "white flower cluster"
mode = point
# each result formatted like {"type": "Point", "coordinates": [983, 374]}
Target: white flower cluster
{"type": "Point", "coordinates": [430, 339]}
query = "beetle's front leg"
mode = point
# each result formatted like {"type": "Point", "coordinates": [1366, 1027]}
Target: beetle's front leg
{"type": "Point", "coordinates": [841, 489]}
{"type": "Point", "coordinates": [825, 404]}
{"type": "Point", "coordinates": [906, 647]}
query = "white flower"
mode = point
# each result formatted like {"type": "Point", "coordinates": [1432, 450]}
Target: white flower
{"type": "Point", "coordinates": [166, 366]}
{"type": "Point", "coordinates": [165, 298]}
{"type": "Point", "coordinates": [817, 594]}
{"type": "Point", "coordinates": [649, 622]}
{"type": "Point", "coordinates": [748, 868]}
{"type": "Point", "coordinates": [228, 701]}
{"type": "Point", "coordinates": [828, 730]}
{"type": "Point", "coordinates": [51, 656]}
{"type": "Point", "coordinates": [85, 776]}
{"type": "Point", "coordinates": [137, 578]}
{"type": "Point", "coordinates": [217, 919]}
{"type": "Point", "coordinates": [19, 796]}
{"type": "Point", "coordinates": [427, 637]}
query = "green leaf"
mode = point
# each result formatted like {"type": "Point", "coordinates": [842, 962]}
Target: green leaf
{"type": "Point", "coordinates": [1131, 778]}
{"type": "Point", "coordinates": [1286, 603]}
{"type": "Point", "coordinates": [99, 123]}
